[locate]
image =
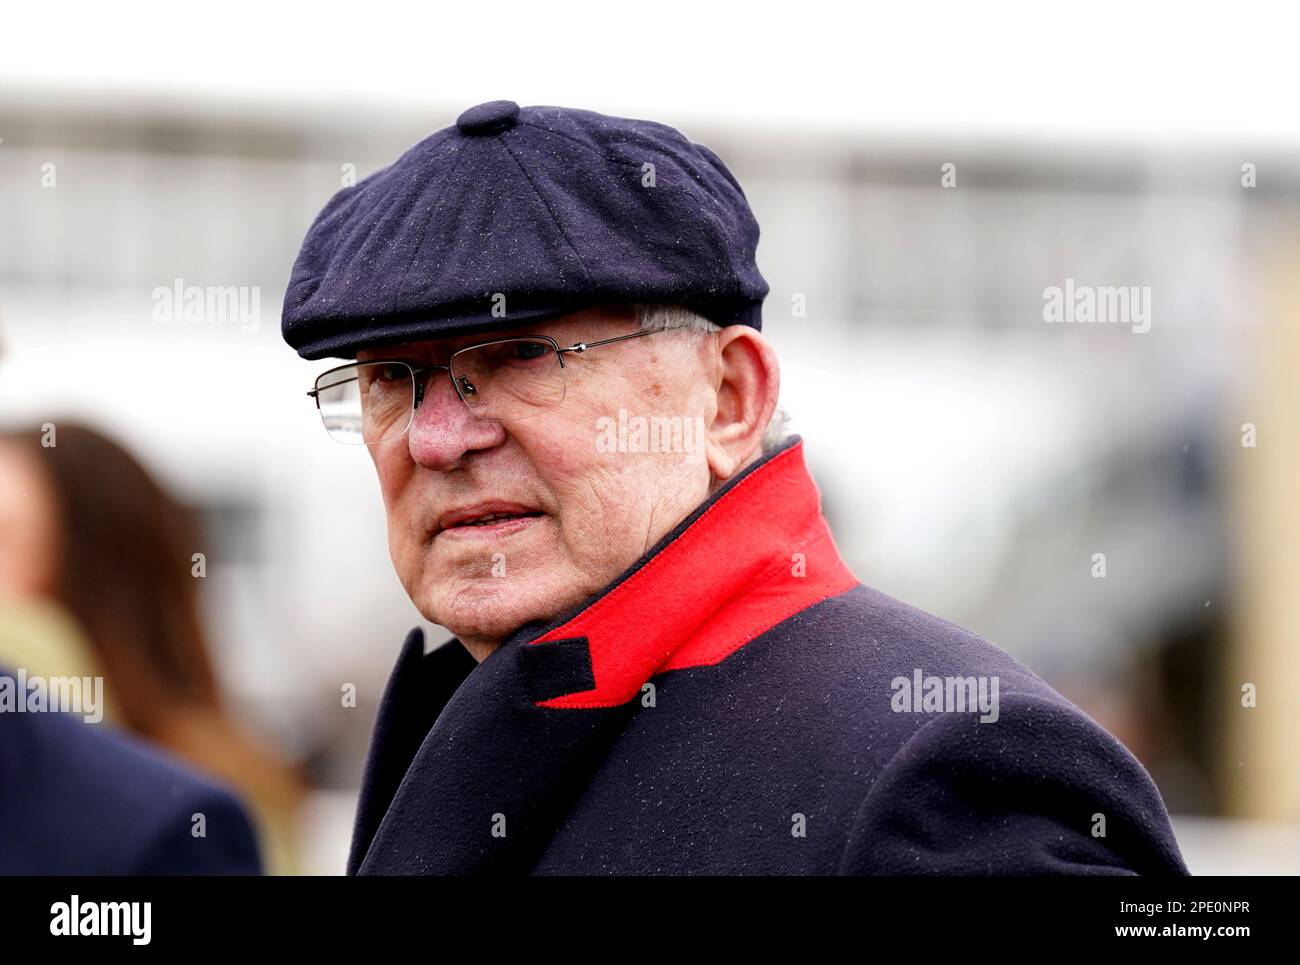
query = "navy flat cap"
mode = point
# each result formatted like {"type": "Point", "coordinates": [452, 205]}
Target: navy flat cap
{"type": "Point", "coordinates": [514, 216]}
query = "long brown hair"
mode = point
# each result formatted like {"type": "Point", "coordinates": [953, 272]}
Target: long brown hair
{"type": "Point", "coordinates": [123, 572]}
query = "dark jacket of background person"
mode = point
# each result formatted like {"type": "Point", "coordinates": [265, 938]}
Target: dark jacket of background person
{"type": "Point", "coordinates": [78, 798]}
{"type": "Point", "coordinates": [122, 572]}
{"type": "Point", "coordinates": [727, 706]}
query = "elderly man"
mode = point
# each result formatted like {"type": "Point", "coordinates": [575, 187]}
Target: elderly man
{"type": "Point", "coordinates": [661, 664]}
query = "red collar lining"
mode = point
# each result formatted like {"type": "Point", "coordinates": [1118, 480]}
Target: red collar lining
{"type": "Point", "coordinates": [728, 577]}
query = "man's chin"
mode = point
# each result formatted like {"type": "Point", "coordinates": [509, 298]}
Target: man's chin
{"type": "Point", "coordinates": [486, 612]}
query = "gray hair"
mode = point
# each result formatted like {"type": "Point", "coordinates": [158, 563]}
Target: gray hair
{"type": "Point", "coordinates": [656, 317]}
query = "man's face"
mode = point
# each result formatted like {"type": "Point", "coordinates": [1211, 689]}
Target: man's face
{"type": "Point", "coordinates": [577, 515]}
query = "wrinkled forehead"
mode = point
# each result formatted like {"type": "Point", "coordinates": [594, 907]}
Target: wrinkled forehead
{"type": "Point", "coordinates": [587, 325]}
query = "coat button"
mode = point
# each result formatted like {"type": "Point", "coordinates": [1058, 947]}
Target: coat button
{"type": "Point", "coordinates": [490, 118]}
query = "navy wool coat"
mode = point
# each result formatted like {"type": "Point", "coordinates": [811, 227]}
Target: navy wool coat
{"type": "Point", "coordinates": [84, 799]}
{"type": "Point", "coordinates": [734, 704]}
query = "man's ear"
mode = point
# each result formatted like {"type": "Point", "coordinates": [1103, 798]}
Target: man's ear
{"type": "Point", "coordinates": [747, 381]}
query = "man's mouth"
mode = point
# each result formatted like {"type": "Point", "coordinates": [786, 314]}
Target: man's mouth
{"type": "Point", "coordinates": [486, 519]}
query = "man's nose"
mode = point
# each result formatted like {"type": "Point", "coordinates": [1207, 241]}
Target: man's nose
{"type": "Point", "coordinates": [443, 429]}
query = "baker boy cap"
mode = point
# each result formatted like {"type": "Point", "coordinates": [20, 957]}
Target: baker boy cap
{"type": "Point", "coordinates": [539, 211]}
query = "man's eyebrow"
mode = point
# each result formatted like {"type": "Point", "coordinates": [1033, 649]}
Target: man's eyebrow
{"type": "Point", "coordinates": [448, 351]}
{"type": "Point", "coordinates": [409, 358]}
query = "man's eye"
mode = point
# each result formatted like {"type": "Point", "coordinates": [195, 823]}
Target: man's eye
{"type": "Point", "coordinates": [389, 372]}
{"type": "Point", "coordinates": [527, 351]}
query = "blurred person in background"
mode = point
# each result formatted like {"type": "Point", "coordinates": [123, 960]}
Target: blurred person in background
{"type": "Point", "coordinates": [95, 563]}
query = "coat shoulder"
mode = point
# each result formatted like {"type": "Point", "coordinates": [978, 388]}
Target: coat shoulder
{"type": "Point", "coordinates": [863, 651]}
{"type": "Point", "coordinates": [97, 801]}
{"type": "Point", "coordinates": [928, 748]}
{"type": "Point", "coordinates": [1042, 789]}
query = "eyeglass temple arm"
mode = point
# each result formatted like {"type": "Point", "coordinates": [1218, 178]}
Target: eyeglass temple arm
{"type": "Point", "coordinates": [583, 346]}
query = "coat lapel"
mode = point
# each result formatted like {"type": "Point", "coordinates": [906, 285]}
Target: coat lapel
{"type": "Point", "coordinates": [473, 767]}
{"type": "Point", "coordinates": [494, 774]}
{"type": "Point", "coordinates": [418, 688]}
